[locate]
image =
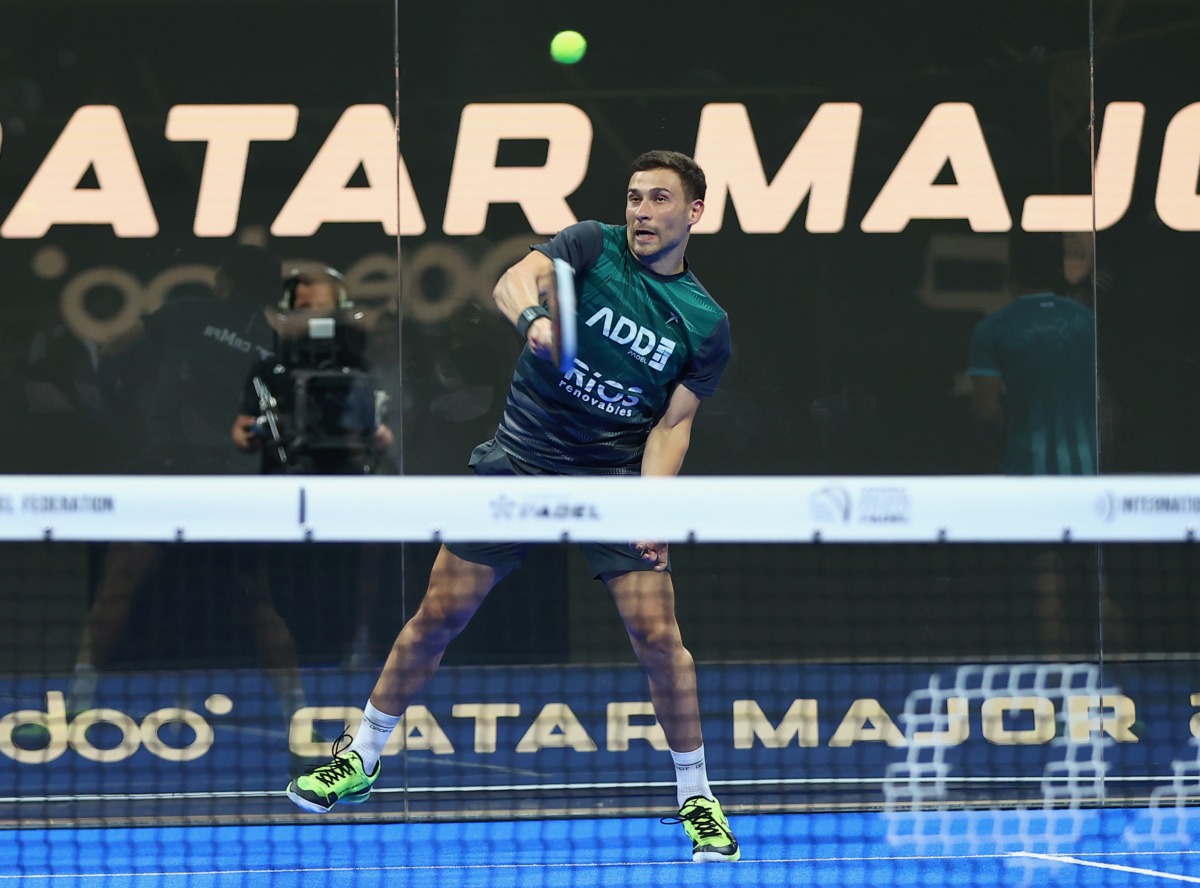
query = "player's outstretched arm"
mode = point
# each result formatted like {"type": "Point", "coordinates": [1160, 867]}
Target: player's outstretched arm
{"type": "Point", "coordinates": [666, 447]}
{"type": "Point", "coordinates": [667, 443]}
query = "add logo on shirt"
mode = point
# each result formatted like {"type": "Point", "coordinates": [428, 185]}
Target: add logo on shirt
{"type": "Point", "coordinates": [643, 343]}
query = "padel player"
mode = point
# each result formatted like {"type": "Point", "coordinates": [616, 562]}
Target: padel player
{"type": "Point", "coordinates": [651, 344]}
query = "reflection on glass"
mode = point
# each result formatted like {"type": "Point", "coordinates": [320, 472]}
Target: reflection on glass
{"type": "Point", "coordinates": [185, 363]}
{"type": "Point", "coordinates": [312, 405]}
{"type": "Point", "coordinates": [1032, 368]}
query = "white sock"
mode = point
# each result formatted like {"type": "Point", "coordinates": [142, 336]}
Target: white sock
{"type": "Point", "coordinates": [372, 736]}
{"type": "Point", "coordinates": [691, 775]}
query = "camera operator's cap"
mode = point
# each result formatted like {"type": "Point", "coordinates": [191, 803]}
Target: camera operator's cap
{"type": "Point", "coordinates": [314, 273]}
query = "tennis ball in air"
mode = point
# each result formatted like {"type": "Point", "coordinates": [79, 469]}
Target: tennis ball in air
{"type": "Point", "coordinates": [567, 47]}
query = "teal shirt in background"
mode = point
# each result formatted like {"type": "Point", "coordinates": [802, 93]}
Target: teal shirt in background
{"type": "Point", "coordinates": [1043, 347]}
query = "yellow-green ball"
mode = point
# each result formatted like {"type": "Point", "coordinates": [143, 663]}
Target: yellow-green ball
{"type": "Point", "coordinates": [567, 47]}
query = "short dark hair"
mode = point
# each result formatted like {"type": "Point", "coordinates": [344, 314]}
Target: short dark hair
{"type": "Point", "coordinates": [694, 184]}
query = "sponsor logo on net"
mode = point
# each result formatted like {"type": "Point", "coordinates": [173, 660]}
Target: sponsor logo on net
{"type": "Point", "coordinates": [873, 505]}
{"type": "Point", "coordinates": [1110, 505]}
{"type": "Point", "coordinates": [57, 504]}
{"type": "Point", "coordinates": [505, 508]}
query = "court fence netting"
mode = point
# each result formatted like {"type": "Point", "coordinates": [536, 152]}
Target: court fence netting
{"type": "Point", "coordinates": [174, 649]}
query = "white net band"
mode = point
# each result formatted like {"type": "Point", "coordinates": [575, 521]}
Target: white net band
{"type": "Point", "coordinates": [753, 509]}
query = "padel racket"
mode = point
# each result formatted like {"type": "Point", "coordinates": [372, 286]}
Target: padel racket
{"type": "Point", "coordinates": [562, 315]}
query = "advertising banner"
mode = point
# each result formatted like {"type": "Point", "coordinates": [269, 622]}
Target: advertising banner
{"type": "Point", "coordinates": [1061, 732]}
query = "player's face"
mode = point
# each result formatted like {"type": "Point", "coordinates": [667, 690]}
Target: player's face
{"type": "Point", "coordinates": [658, 218]}
{"type": "Point", "coordinates": [314, 297]}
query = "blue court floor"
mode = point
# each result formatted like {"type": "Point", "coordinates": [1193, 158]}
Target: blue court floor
{"type": "Point", "coordinates": [1134, 847]}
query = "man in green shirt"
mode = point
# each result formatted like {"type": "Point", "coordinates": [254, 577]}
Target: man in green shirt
{"type": "Point", "coordinates": [1033, 367]}
{"type": "Point", "coordinates": [651, 344]}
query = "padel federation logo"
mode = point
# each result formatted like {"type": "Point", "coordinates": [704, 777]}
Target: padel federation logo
{"type": "Point", "coordinates": [504, 508]}
{"type": "Point", "coordinates": [59, 503]}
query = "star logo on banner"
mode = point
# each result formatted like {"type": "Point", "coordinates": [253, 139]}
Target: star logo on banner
{"type": "Point", "coordinates": [502, 508]}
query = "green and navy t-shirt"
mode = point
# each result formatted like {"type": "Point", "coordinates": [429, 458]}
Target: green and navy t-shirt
{"type": "Point", "coordinates": [640, 334]}
{"type": "Point", "coordinates": [1043, 347]}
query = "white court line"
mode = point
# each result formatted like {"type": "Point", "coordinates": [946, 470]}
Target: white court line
{"type": "Point", "coordinates": [745, 863]}
{"type": "Point", "coordinates": [1136, 870]}
{"type": "Point", "coordinates": [554, 787]}
{"type": "Point", "coordinates": [397, 868]}
{"type": "Point", "coordinates": [601, 865]}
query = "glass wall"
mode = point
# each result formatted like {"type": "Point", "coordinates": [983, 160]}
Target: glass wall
{"type": "Point", "coordinates": [899, 222]}
{"type": "Point", "coordinates": [864, 187]}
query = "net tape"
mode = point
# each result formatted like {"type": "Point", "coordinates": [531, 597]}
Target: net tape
{"type": "Point", "coordinates": [725, 509]}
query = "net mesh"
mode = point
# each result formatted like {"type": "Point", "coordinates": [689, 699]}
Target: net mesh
{"type": "Point", "coordinates": [929, 691]}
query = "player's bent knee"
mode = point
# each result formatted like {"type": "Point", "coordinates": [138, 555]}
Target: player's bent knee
{"type": "Point", "coordinates": [435, 625]}
{"type": "Point", "coordinates": [659, 639]}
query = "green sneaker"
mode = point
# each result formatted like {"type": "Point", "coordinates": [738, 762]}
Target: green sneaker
{"type": "Point", "coordinates": [706, 826]}
{"type": "Point", "coordinates": [342, 780]}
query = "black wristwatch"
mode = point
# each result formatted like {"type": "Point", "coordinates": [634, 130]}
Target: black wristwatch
{"type": "Point", "coordinates": [528, 316]}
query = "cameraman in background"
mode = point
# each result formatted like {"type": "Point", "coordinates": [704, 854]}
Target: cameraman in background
{"type": "Point", "coordinates": [311, 407]}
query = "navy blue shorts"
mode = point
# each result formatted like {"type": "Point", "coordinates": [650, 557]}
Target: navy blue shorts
{"type": "Point", "coordinates": [489, 458]}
